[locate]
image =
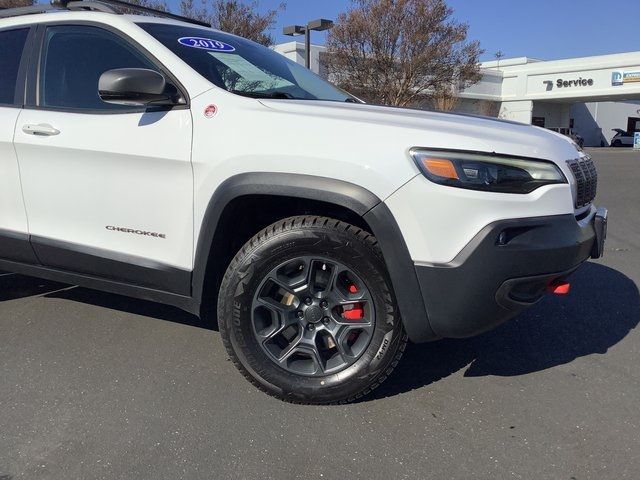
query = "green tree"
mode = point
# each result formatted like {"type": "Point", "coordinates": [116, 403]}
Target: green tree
{"type": "Point", "coordinates": [401, 52]}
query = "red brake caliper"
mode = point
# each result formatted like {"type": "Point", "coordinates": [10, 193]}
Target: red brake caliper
{"type": "Point", "coordinates": [354, 311]}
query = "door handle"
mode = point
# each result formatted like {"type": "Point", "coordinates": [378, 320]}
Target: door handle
{"type": "Point", "coordinates": [42, 129]}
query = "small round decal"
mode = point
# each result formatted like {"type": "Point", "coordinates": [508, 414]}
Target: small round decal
{"type": "Point", "coordinates": [210, 111]}
{"type": "Point", "coordinates": [206, 44]}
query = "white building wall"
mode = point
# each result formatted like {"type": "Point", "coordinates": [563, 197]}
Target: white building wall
{"type": "Point", "coordinates": [486, 108]}
{"type": "Point", "coordinates": [518, 111]}
{"type": "Point", "coordinates": [556, 115]}
{"type": "Point", "coordinates": [296, 51]}
{"type": "Point", "coordinates": [602, 78]}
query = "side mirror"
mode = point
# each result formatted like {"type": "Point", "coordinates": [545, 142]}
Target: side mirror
{"type": "Point", "coordinates": [137, 86]}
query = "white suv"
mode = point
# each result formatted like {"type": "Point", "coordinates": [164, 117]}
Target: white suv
{"type": "Point", "coordinates": [167, 161]}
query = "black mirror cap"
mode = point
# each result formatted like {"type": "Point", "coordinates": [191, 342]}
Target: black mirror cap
{"type": "Point", "coordinates": [137, 87]}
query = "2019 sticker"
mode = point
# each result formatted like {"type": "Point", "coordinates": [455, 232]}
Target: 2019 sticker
{"type": "Point", "coordinates": [206, 44]}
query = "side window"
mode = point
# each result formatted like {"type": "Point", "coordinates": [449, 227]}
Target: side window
{"type": "Point", "coordinates": [11, 46]}
{"type": "Point", "coordinates": [74, 58]}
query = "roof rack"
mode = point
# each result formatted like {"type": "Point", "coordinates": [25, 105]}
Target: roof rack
{"type": "Point", "coordinates": [99, 6]}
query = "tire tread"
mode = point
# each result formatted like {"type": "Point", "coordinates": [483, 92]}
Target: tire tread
{"type": "Point", "coordinates": [283, 226]}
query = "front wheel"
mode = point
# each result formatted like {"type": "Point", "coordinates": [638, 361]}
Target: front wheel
{"type": "Point", "coordinates": [307, 314]}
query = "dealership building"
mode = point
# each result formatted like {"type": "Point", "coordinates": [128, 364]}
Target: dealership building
{"type": "Point", "coordinates": [589, 96]}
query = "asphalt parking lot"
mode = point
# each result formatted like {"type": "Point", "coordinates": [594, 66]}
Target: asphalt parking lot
{"type": "Point", "coordinates": [94, 385]}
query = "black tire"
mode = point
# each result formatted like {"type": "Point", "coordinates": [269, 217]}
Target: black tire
{"type": "Point", "coordinates": [616, 143]}
{"type": "Point", "coordinates": [285, 241]}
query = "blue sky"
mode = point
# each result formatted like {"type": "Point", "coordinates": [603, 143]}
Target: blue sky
{"type": "Point", "coordinates": [546, 29]}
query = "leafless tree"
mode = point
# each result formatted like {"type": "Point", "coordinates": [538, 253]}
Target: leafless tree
{"type": "Point", "coordinates": [156, 4]}
{"type": "Point", "coordinates": [15, 3]}
{"type": "Point", "coordinates": [234, 16]}
{"type": "Point", "coordinates": [401, 52]}
{"type": "Point", "coordinates": [444, 100]}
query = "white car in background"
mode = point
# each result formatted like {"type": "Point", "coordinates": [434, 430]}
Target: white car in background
{"type": "Point", "coordinates": [622, 138]}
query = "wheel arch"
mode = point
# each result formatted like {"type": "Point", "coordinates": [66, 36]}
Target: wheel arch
{"type": "Point", "coordinates": [359, 205]}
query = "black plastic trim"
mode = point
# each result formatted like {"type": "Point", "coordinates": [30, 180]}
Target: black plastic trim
{"type": "Point", "coordinates": [184, 302]}
{"type": "Point", "coordinates": [468, 295]}
{"type": "Point", "coordinates": [402, 272]}
{"type": "Point", "coordinates": [111, 266]}
{"type": "Point", "coordinates": [15, 246]}
{"type": "Point", "coordinates": [345, 194]}
{"type": "Point", "coordinates": [309, 187]}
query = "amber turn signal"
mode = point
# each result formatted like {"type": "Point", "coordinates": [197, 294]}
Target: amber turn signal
{"type": "Point", "coordinates": [440, 167]}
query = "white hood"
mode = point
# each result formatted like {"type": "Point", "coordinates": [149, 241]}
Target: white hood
{"type": "Point", "coordinates": [443, 130]}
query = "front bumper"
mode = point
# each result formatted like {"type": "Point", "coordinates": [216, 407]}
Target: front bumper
{"type": "Point", "coordinates": [505, 269]}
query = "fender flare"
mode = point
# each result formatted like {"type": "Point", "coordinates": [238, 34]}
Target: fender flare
{"type": "Point", "coordinates": [341, 193]}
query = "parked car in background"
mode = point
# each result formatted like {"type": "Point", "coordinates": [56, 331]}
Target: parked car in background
{"type": "Point", "coordinates": [622, 138]}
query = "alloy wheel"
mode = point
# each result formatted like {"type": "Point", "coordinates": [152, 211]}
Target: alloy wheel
{"type": "Point", "coordinates": [313, 316]}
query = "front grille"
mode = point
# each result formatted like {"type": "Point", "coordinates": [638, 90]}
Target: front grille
{"type": "Point", "coordinates": [586, 177]}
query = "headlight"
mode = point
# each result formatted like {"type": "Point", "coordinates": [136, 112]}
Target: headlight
{"type": "Point", "coordinates": [487, 172]}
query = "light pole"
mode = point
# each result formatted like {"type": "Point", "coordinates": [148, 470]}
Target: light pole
{"type": "Point", "coordinates": [499, 55]}
{"type": "Point", "coordinates": [295, 30]}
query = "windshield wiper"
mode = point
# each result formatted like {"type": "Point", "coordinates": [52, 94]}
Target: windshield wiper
{"type": "Point", "coordinates": [276, 94]}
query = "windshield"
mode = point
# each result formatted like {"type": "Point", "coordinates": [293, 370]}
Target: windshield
{"type": "Point", "coordinates": [241, 66]}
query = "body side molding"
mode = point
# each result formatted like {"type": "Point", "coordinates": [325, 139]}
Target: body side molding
{"type": "Point", "coordinates": [102, 284]}
{"type": "Point", "coordinates": [111, 266]}
{"type": "Point", "coordinates": [15, 246]}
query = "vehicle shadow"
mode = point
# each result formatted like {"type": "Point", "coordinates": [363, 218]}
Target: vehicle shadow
{"type": "Point", "coordinates": [13, 287]}
{"type": "Point", "coordinates": [136, 307]}
{"type": "Point", "coordinates": [602, 308]}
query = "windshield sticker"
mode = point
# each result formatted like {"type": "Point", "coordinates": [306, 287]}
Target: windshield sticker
{"type": "Point", "coordinates": [249, 73]}
{"type": "Point", "coordinates": [206, 44]}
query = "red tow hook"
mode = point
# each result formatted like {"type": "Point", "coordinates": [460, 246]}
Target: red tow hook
{"type": "Point", "coordinates": [354, 313]}
{"type": "Point", "coordinates": [559, 287]}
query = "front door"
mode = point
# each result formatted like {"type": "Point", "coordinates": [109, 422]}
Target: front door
{"type": "Point", "coordinates": [108, 189]}
{"type": "Point", "coordinates": [14, 232]}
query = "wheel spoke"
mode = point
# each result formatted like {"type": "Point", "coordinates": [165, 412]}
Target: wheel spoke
{"type": "Point", "coordinates": [349, 342]}
{"type": "Point", "coordinates": [304, 351]}
{"type": "Point", "coordinates": [321, 277]}
{"type": "Point", "coordinates": [335, 336]}
{"type": "Point", "coordinates": [290, 350]}
{"type": "Point", "coordinates": [313, 316]}
{"type": "Point", "coordinates": [276, 295]}
{"type": "Point", "coordinates": [283, 323]}
{"type": "Point", "coordinates": [294, 274]}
